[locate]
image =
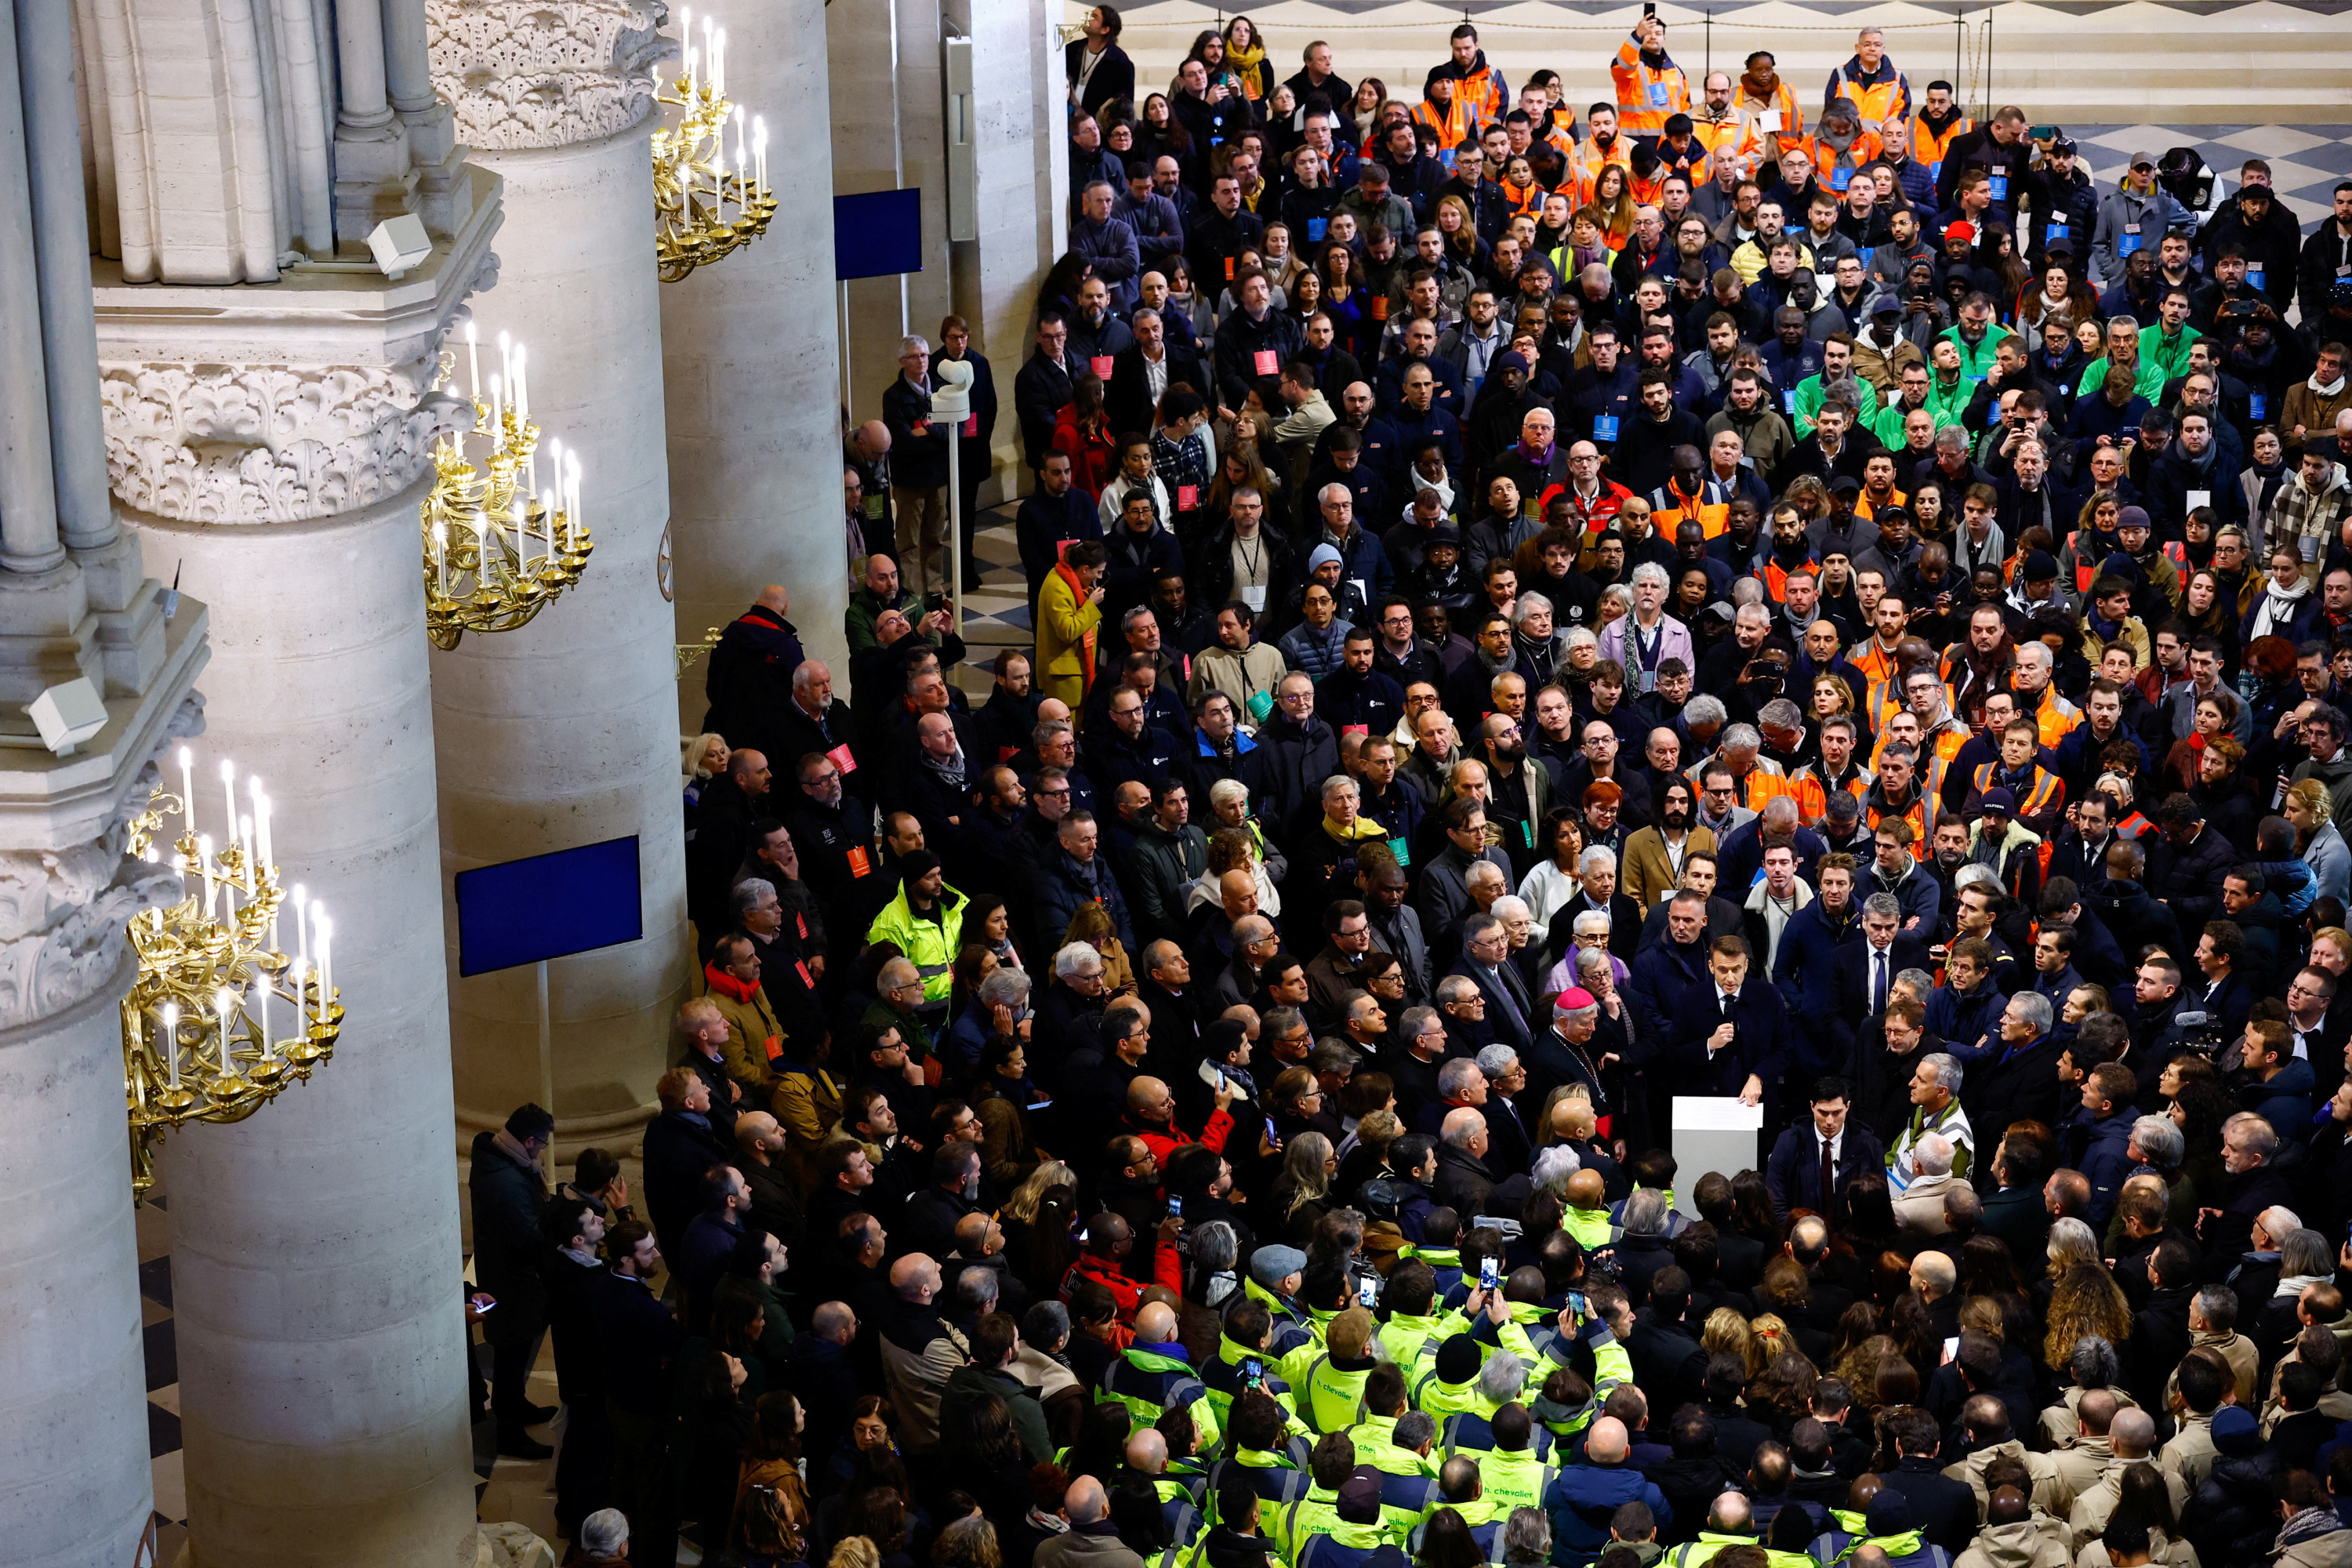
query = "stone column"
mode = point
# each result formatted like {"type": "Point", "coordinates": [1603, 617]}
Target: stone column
{"type": "Point", "coordinates": [271, 445]}
{"type": "Point", "coordinates": [564, 733]}
{"type": "Point", "coordinates": [751, 373]}
{"type": "Point", "coordinates": [1017, 129]}
{"type": "Point", "coordinates": [74, 1482]}
{"type": "Point", "coordinates": [889, 131]}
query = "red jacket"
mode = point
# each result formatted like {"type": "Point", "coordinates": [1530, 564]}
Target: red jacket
{"type": "Point", "coordinates": [1167, 1267]}
{"type": "Point", "coordinates": [1165, 1140]}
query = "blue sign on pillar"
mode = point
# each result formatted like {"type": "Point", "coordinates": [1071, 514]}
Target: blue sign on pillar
{"type": "Point", "coordinates": [878, 233]}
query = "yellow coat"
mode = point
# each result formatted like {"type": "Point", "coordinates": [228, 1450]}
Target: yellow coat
{"type": "Point", "coordinates": [1062, 623]}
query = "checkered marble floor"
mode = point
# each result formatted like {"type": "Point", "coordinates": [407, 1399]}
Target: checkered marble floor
{"type": "Point", "coordinates": [516, 1490]}
{"type": "Point", "coordinates": [2305, 160]}
{"type": "Point", "coordinates": [996, 611]}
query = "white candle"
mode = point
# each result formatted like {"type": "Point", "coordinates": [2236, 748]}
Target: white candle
{"type": "Point", "coordinates": [187, 791]}
{"type": "Point", "coordinates": [261, 1012]}
{"type": "Point", "coordinates": [302, 1003]}
{"type": "Point", "coordinates": [302, 898]}
{"type": "Point", "coordinates": [547, 523]}
{"type": "Point", "coordinates": [205, 864]}
{"type": "Point", "coordinates": [474, 366]}
{"type": "Point", "coordinates": [224, 1004]}
{"type": "Point", "coordinates": [245, 835]}
{"type": "Point", "coordinates": [172, 1042]}
{"type": "Point", "coordinates": [441, 556]}
{"type": "Point", "coordinates": [760, 149]}
{"type": "Point", "coordinates": [571, 513]}
{"type": "Point", "coordinates": [710, 53]}
{"type": "Point", "coordinates": [690, 88]}
{"type": "Point", "coordinates": [325, 968]}
{"type": "Point", "coordinates": [497, 414]}
{"type": "Point", "coordinates": [260, 821]}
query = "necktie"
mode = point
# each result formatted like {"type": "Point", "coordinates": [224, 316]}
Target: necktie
{"type": "Point", "coordinates": [1829, 1179]}
{"type": "Point", "coordinates": [1510, 1004]}
{"type": "Point", "coordinates": [1878, 983]}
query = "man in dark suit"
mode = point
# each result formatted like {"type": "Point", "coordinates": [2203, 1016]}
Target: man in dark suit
{"type": "Point", "coordinates": [2015, 1078]}
{"type": "Point", "coordinates": [1732, 1037]}
{"type": "Point", "coordinates": [1861, 977]}
{"type": "Point", "coordinates": [1485, 964]}
{"type": "Point", "coordinates": [1141, 373]}
{"type": "Point", "coordinates": [1810, 1163]}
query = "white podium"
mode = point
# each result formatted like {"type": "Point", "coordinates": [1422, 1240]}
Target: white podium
{"type": "Point", "coordinates": [1712, 1132]}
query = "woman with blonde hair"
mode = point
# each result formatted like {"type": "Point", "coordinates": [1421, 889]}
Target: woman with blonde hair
{"type": "Point", "coordinates": [2312, 810]}
{"type": "Point", "coordinates": [1728, 1332]}
{"type": "Point", "coordinates": [1302, 1194]}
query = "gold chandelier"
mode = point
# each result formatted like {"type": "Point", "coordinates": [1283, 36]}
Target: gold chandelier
{"type": "Point", "coordinates": [498, 547]}
{"type": "Point", "coordinates": [219, 1020]}
{"type": "Point", "coordinates": [692, 187]}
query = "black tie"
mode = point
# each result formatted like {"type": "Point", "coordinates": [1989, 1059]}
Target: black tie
{"type": "Point", "coordinates": [1727, 1002]}
{"type": "Point", "coordinates": [1878, 983]}
{"type": "Point", "coordinates": [1829, 1179]}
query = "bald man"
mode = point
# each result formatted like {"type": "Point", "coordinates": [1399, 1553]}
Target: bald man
{"type": "Point", "coordinates": [1155, 1371]}
{"type": "Point", "coordinates": [1089, 1541]}
{"type": "Point", "coordinates": [1586, 1217]}
{"type": "Point", "coordinates": [918, 1357]}
{"type": "Point", "coordinates": [1152, 1116]}
{"type": "Point", "coordinates": [1584, 1496]}
{"type": "Point", "coordinates": [760, 1155]}
{"type": "Point", "coordinates": [1232, 964]}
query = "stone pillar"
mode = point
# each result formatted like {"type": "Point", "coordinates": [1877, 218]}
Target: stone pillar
{"type": "Point", "coordinates": [76, 1486]}
{"type": "Point", "coordinates": [751, 373]}
{"type": "Point", "coordinates": [564, 733]}
{"type": "Point", "coordinates": [1017, 127]}
{"type": "Point", "coordinates": [271, 445]}
{"type": "Point", "coordinates": [74, 1482]}
{"type": "Point", "coordinates": [888, 131]}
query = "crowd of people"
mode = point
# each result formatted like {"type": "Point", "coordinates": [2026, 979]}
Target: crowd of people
{"type": "Point", "coordinates": [1736, 592]}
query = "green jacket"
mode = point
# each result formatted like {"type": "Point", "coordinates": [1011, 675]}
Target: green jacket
{"type": "Point", "coordinates": [930, 945]}
{"type": "Point", "coordinates": [1317, 1513]}
{"type": "Point", "coordinates": [1517, 1479]}
{"type": "Point", "coordinates": [1805, 404]}
{"type": "Point", "coordinates": [1407, 1339]}
{"type": "Point", "coordinates": [1591, 1227]}
{"type": "Point", "coordinates": [2170, 356]}
{"type": "Point", "coordinates": [1976, 362]}
{"type": "Point", "coordinates": [1149, 1384]}
{"type": "Point", "coordinates": [865, 609]}
{"type": "Point", "coordinates": [1699, 1552]}
{"type": "Point", "coordinates": [1330, 1392]}
{"type": "Point", "coordinates": [2147, 380]}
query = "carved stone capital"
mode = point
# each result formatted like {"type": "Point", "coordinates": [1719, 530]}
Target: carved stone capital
{"type": "Point", "coordinates": [63, 910]}
{"type": "Point", "coordinates": [286, 405]}
{"type": "Point", "coordinates": [216, 443]}
{"type": "Point", "coordinates": [527, 73]}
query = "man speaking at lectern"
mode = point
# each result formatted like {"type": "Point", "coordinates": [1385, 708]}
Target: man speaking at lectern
{"type": "Point", "coordinates": [1732, 1037]}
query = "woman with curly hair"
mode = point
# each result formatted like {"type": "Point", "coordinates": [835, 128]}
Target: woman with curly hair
{"type": "Point", "coordinates": [1782, 1394]}
{"type": "Point", "coordinates": [2086, 1300]}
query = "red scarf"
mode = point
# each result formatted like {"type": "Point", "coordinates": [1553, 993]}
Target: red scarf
{"type": "Point", "coordinates": [727, 985]}
{"type": "Point", "coordinates": [1086, 640]}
